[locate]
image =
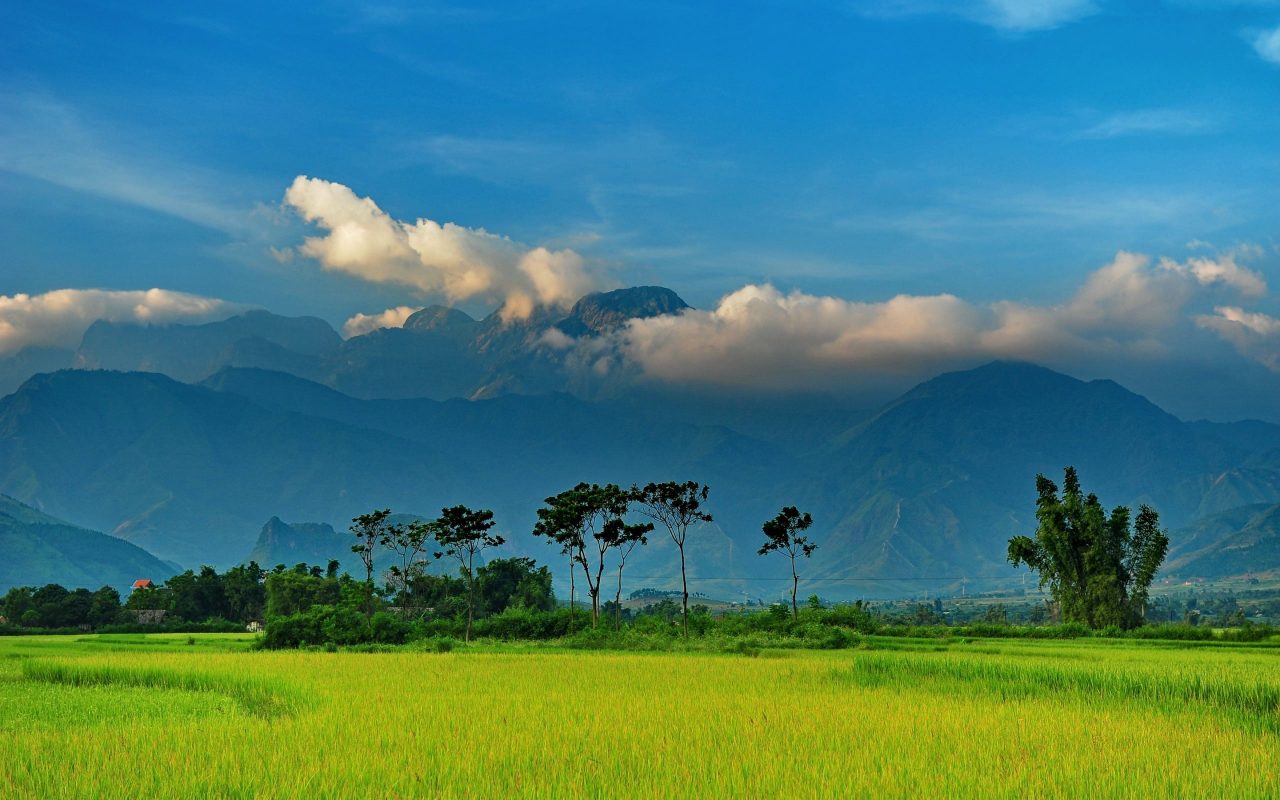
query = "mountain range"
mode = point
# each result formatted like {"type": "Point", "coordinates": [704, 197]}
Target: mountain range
{"type": "Point", "coordinates": [183, 440]}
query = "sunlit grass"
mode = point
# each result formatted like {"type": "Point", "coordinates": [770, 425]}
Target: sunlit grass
{"type": "Point", "coordinates": [983, 718]}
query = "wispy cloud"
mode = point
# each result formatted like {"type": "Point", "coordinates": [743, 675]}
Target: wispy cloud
{"type": "Point", "coordinates": [1267, 44]}
{"type": "Point", "coordinates": [978, 213]}
{"type": "Point", "coordinates": [43, 138]}
{"type": "Point", "coordinates": [1254, 334]}
{"type": "Point", "coordinates": [1010, 16]}
{"type": "Point", "coordinates": [1164, 121]}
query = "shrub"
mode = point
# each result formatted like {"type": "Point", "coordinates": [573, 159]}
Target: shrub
{"type": "Point", "coordinates": [387, 628]}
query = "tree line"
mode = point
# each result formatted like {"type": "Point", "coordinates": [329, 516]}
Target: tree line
{"type": "Point", "coordinates": [1098, 567]}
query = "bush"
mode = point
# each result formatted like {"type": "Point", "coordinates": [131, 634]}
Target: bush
{"type": "Point", "coordinates": [296, 630]}
{"type": "Point", "coordinates": [343, 626]}
{"type": "Point", "coordinates": [1171, 630]}
{"type": "Point", "coordinates": [386, 628]}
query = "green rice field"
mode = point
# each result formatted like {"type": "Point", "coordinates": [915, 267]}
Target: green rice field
{"type": "Point", "coordinates": [204, 716]}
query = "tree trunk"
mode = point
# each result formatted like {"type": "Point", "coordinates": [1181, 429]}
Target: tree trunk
{"type": "Point", "coordinates": [795, 583]}
{"type": "Point", "coordinates": [684, 581]}
{"type": "Point", "coordinates": [471, 594]}
{"type": "Point", "coordinates": [617, 602]}
{"type": "Point", "coordinates": [572, 598]}
{"type": "Point", "coordinates": [595, 593]}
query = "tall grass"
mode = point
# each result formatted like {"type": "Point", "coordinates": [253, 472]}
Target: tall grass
{"type": "Point", "coordinates": [983, 719]}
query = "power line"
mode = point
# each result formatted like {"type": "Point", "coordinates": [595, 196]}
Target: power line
{"type": "Point", "coordinates": [803, 579]}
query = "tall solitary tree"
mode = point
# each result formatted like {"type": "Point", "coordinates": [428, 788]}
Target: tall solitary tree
{"type": "Point", "coordinates": [370, 530]}
{"type": "Point", "coordinates": [782, 534]}
{"type": "Point", "coordinates": [1097, 566]}
{"type": "Point", "coordinates": [585, 522]}
{"type": "Point", "coordinates": [675, 506]}
{"type": "Point", "coordinates": [464, 534]}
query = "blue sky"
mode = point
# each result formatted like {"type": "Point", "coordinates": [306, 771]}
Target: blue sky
{"type": "Point", "coordinates": [1000, 151]}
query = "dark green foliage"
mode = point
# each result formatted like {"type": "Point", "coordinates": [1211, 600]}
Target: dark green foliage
{"type": "Point", "coordinates": [1098, 567]}
{"type": "Point", "coordinates": [245, 592]}
{"type": "Point", "coordinates": [514, 583]}
{"type": "Point", "coordinates": [54, 606]}
{"type": "Point", "coordinates": [104, 607]}
{"type": "Point", "coordinates": [198, 596]}
{"type": "Point", "coordinates": [293, 591]}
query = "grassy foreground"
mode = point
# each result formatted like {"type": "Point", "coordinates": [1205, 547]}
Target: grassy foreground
{"type": "Point", "coordinates": [160, 716]}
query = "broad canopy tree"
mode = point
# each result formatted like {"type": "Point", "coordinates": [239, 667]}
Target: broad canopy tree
{"type": "Point", "coordinates": [1097, 566]}
{"type": "Point", "coordinates": [782, 535]}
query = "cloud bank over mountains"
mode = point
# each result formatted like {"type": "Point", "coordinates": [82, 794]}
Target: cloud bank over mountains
{"type": "Point", "coordinates": [60, 318]}
{"type": "Point", "coordinates": [760, 337]}
{"type": "Point", "coordinates": [433, 258]}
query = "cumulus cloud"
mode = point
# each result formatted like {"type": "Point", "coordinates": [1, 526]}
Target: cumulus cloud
{"type": "Point", "coordinates": [761, 337]}
{"type": "Point", "coordinates": [1254, 334]}
{"type": "Point", "coordinates": [461, 263]}
{"type": "Point", "coordinates": [60, 318]}
{"type": "Point", "coordinates": [1267, 45]}
{"type": "Point", "coordinates": [361, 324]}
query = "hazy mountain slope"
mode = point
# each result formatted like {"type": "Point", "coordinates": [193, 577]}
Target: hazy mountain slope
{"type": "Point", "coordinates": [1236, 542]}
{"type": "Point", "coordinates": [17, 367]}
{"type": "Point", "coordinates": [192, 352]}
{"type": "Point", "coordinates": [190, 473]}
{"type": "Point", "coordinates": [942, 477]}
{"type": "Point", "coordinates": [931, 486]}
{"type": "Point", "coordinates": [40, 549]}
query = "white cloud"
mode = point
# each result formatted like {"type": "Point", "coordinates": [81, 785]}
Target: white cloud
{"type": "Point", "coordinates": [1225, 270]}
{"type": "Point", "coordinates": [60, 318]}
{"type": "Point", "coordinates": [361, 324]}
{"type": "Point", "coordinates": [1254, 334]}
{"type": "Point", "coordinates": [760, 337]}
{"type": "Point", "coordinates": [1267, 45]}
{"type": "Point", "coordinates": [433, 258]}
